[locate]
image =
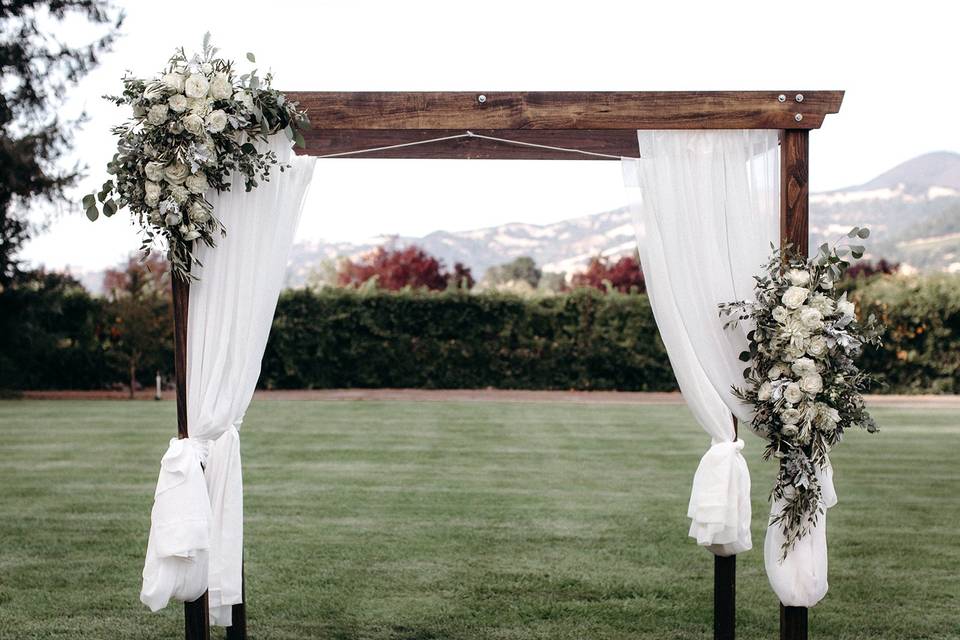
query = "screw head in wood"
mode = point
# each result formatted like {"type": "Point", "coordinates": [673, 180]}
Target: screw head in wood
{"type": "Point", "coordinates": [782, 98]}
{"type": "Point", "coordinates": [798, 117]}
{"type": "Point", "coordinates": [481, 98]}
{"type": "Point", "coordinates": [799, 97]}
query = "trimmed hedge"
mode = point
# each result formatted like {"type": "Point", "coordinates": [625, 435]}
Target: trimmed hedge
{"type": "Point", "coordinates": [350, 338]}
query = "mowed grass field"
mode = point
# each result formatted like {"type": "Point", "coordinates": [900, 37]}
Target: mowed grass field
{"type": "Point", "coordinates": [425, 521]}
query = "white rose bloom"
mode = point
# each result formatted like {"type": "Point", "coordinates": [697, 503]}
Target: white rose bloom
{"type": "Point", "coordinates": [792, 393]}
{"type": "Point", "coordinates": [176, 173]}
{"type": "Point", "coordinates": [154, 171]}
{"type": "Point", "coordinates": [197, 183]}
{"type": "Point", "coordinates": [178, 193]}
{"type": "Point", "coordinates": [177, 102]}
{"type": "Point", "coordinates": [794, 297]}
{"type": "Point", "coordinates": [194, 124]}
{"type": "Point", "coordinates": [157, 114]}
{"type": "Point", "coordinates": [811, 318]}
{"type": "Point", "coordinates": [789, 430]}
{"type": "Point", "coordinates": [795, 331]}
{"type": "Point", "coordinates": [217, 121]}
{"type": "Point", "coordinates": [798, 277]}
{"type": "Point", "coordinates": [775, 372]}
{"type": "Point", "coordinates": [846, 307]}
{"type": "Point", "coordinates": [780, 314]}
{"type": "Point", "coordinates": [152, 193]}
{"type": "Point", "coordinates": [198, 212]}
{"type": "Point", "coordinates": [196, 86]}
{"type": "Point", "coordinates": [790, 416]}
{"type": "Point", "coordinates": [812, 383]}
{"type": "Point", "coordinates": [173, 81]}
{"type": "Point", "coordinates": [765, 391]}
{"type": "Point", "coordinates": [207, 68]}
{"type": "Point", "coordinates": [220, 87]}
{"type": "Point", "coordinates": [173, 219]}
{"type": "Point", "coordinates": [199, 106]}
{"type": "Point", "coordinates": [817, 346]}
{"type": "Point", "coordinates": [803, 366]}
{"type": "Point", "coordinates": [244, 98]}
{"type": "Point", "coordinates": [822, 303]}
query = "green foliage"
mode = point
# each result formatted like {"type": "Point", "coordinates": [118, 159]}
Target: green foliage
{"type": "Point", "coordinates": [346, 338]}
{"type": "Point", "coordinates": [921, 345]}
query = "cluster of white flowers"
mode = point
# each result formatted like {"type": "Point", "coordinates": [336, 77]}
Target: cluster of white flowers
{"type": "Point", "coordinates": [191, 127]}
{"type": "Point", "coordinates": [802, 379]}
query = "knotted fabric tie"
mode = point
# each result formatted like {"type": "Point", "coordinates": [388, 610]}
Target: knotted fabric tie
{"type": "Point", "coordinates": [196, 526]}
{"type": "Point", "coordinates": [719, 507]}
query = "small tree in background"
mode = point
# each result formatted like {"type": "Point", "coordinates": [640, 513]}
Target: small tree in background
{"type": "Point", "coordinates": [522, 269]}
{"type": "Point", "coordinates": [139, 328]}
{"type": "Point", "coordinates": [868, 269]}
{"type": "Point", "coordinates": [395, 269]}
{"type": "Point", "coordinates": [36, 68]}
{"type": "Point", "coordinates": [624, 275]}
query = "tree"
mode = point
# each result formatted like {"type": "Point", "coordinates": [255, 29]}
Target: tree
{"type": "Point", "coordinates": [522, 269]}
{"type": "Point", "coordinates": [395, 269]}
{"type": "Point", "coordinates": [139, 331]}
{"type": "Point", "coordinates": [36, 68]}
{"type": "Point", "coordinates": [624, 275]}
{"type": "Point", "coordinates": [867, 269]}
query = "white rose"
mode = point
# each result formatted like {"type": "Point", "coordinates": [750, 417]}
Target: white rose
{"type": "Point", "coordinates": [154, 171]}
{"type": "Point", "coordinates": [198, 212]}
{"type": "Point", "coordinates": [846, 307]}
{"type": "Point", "coordinates": [812, 383]}
{"type": "Point", "coordinates": [176, 173]}
{"type": "Point", "coordinates": [178, 193]}
{"type": "Point", "coordinates": [817, 346]}
{"type": "Point", "coordinates": [775, 372]}
{"type": "Point", "coordinates": [220, 87]}
{"type": "Point", "coordinates": [217, 121]}
{"type": "Point", "coordinates": [207, 68]}
{"type": "Point", "coordinates": [244, 98]}
{"type": "Point", "coordinates": [196, 86]}
{"type": "Point", "coordinates": [173, 219]}
{"type": "Point", "coordinates": [803, 366]}
{"type": "Point", "coordinates": [799, 277]}
{"type": "Point", "coordinates": [790, 416]}
{"type": "Point", "coordinates": [822, 303]}
{"type": "Point", "coordinates": [780, 314]}
{"type": "Point", "coordinates": [794, 297]}
{"type": "Point", "coordinates": [173, 81]}
{"type": "Point", "coordinates": [197, 183]}
{"type": "Point", "coordinates": [789, 430]}
{"type": "Point", "coordinates": [194, 124]}
{"type": "Point", "coordinates": [177, 102]}
{"type": "Point", "coordinates": [157, 114]}
{"type": "Point", "coordinates": [199, 106]}
{"type": "Point", "coordinates": [792, 393]}
{"type": "Point", "coordinates": [811, 318]}
{"type": "Point", "coordinates": [152, 193]}
{"type": "Point", "coordinates": [765, 391]}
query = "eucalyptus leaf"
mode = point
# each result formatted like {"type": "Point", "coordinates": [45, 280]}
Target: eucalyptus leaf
{"type": "Point", "coordinates": [853, 232]}
{"type": "Point", "coordinates": [863, 234]}
{"type": "Point", "coordinates": [89, 200]}
{"type": "Point", "coordinates": [92, 213]}
{"type": "Point", "coordinates": [251, 57]}
{"type": "Point", "coordinates": [300, 141]}
{"type": "Point", "coordinates": [109, 207]}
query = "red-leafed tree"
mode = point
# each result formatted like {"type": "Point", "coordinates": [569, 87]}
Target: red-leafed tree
{"type": "Point", "coordinates": [395, 269]}
{"type": "Point", "coordinates": [624, 275]}
{"type": "Point", "coordinates": [867, 268]}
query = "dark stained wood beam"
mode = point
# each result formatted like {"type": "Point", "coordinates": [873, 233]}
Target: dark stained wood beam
{"type": "Point", "coordinates": [615, 142]}
{"type": "Point", "coordinates": [568, 110]}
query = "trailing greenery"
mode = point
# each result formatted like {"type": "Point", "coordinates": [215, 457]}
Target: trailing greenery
{"type": "Point", "coordinates": [347, 338]}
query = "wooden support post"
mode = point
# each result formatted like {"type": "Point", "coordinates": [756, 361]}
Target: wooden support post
{"type": "Point", "coordinates": [794, 229]}
{"type": "Point", "coordinates": [196, 614]}
{"type": "Point", "coordinates": [238, 627]}
{"type": "Point", "coordinates": [724, 597]}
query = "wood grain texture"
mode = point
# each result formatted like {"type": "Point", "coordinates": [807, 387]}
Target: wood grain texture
{"type": "Point", "coordinates": [794, 190]}
{"type": "Point", "coordinates": [617, 142]}
{"type": "Point", "coordinates": [724, 597]}
{"type": "Point", "coordinates": [567, 110]}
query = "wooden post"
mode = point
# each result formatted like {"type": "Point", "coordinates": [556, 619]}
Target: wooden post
{"type": "Point", "coordinates": [196, 614]}
{"type": "Point", "coordinates": [794, 229]}
{"type": "Point", "coordinates": [725, 590]}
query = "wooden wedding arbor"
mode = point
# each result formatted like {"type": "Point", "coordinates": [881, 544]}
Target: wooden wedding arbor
{"type": "Point", "coordinates": [600, 122]}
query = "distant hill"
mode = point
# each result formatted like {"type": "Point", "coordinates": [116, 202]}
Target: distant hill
{"type": "Point", "coordinates": [913, 210]}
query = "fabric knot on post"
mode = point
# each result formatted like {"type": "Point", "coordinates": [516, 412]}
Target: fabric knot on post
{"type": "Point", "coordinates": [719, 507]}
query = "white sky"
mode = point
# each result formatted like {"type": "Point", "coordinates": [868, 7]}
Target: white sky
{"type": "Point", "coordinates": [895, 60]}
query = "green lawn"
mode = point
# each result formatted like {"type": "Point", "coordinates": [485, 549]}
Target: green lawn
{"type": "Point", "coordinates": [464, 520]}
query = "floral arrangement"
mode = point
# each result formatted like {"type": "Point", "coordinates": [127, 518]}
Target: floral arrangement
{"type": "Point", "coordinates": [191, 128]}
{"type": "Point", "coordinates": [802, 380]}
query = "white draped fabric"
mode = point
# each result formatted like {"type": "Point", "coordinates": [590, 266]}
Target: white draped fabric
{"type": "Point", "coordinates": [706, 214]}
{"type": "Point", "coordinates": [196, 533]}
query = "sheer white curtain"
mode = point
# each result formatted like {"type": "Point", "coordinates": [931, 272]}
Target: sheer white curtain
{"type": "Point", "coordinates": [196, 534]}
{"type": "Point", "coordinates": [706, 213]}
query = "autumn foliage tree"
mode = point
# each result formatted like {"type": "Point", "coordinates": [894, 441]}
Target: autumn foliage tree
{"type": "Point", "coordinates": [624, 275]}
{"type": "Point", "coordinates": [395, 269]}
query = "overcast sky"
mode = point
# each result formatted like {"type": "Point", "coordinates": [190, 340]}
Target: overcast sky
{"type": "Point", "coordinates": [896, 61]}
